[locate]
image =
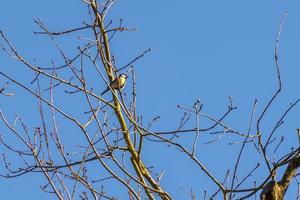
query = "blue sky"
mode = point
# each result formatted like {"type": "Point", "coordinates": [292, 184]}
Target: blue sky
{"type": "Point", "coordinates": [200, 49]}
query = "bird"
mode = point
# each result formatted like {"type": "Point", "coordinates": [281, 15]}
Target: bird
{"type": "Point", "coordinates": [117, 84]}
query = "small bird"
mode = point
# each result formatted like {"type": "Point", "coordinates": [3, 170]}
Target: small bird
{"type": "Point", "coordinates": [117, 84]}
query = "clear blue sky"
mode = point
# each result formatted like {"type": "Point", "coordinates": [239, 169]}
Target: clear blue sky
{"type": "Point", "coordinates": [200, 49]}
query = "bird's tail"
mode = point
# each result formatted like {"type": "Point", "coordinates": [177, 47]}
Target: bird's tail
{"type": "Point", "coordinates": [107, 89]}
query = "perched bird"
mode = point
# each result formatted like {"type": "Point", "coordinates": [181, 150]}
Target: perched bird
{"type": "Point", "coordinates": [117, 84]}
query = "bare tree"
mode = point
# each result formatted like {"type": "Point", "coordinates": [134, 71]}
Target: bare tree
{"type": "Point", "coordinates": [108, 135]}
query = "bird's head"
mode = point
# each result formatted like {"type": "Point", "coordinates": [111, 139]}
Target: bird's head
{"type": "Point", "coordinates": [123, 76]}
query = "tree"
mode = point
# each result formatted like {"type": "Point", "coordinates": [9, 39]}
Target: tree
{"type": "Point", "coordinates": [108, 135]}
